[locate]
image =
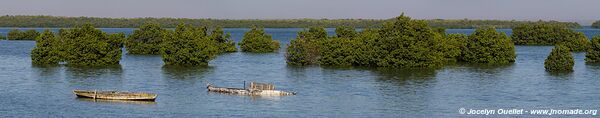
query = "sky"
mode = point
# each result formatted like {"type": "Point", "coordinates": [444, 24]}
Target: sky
{"type": "Point", "coordinates": [583, 11]}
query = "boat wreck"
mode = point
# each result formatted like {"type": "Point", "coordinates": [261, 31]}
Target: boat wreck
{"type": "Point", "coordinates": [115, 95]}
{"type": "Point", "coordinates": [255, 89]}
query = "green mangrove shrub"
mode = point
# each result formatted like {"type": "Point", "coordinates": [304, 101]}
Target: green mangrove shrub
{"type": "Point", "coordinates": [401, 42]}
{"type": "Point", "coordinates": [2, 37]}
{"type": "Point", "coordinates": [46, 49]}
{"type": "Point", "coordinates": [560, 59]}
{"type": "Point", "coordinates": [16, 34]}
{"type": "Point", "coordinates": [408, 43]}
{"type": "Point", "coordinates": [256, 40]}
{"type": "Point", "coordinates": [365, 47]}
{"type": "Point", "coordinates": [224, 41]}
{"type": "Point", "coordinates": [345, 32]}
{"type": "Point", "coordinates": [596, 24]}
{"type": "Point", "coordinates": [313, 33]}
{"type": "Point", "coordinates": [593, 53]}
{"type": "Point", "coordinates": [576, 41]}
{"type": "Point", "coordinates": [88, 46]}
{"type": "Point", "coordinates": [549, 34]}
{"type": "Point", "coordinates": [338, 51]}
{"type": "Point", "coordinates": [305, 49]}
{"type": "Point", "coordinates": [452, 46]}
{"type": "Point", "coordinates": [145, 40]}
{"type": "Point", "coordinates": [440, 30]}
{"type": "Point", "coordinates": [349, 48]}
{"type": "Point", "coordinates": [188, 46]}
{"type": "Point", "coordinates": [486, 45]}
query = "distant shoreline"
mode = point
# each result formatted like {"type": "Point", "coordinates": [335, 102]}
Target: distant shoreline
{"type": "Point", "coordinates": [24, 21]}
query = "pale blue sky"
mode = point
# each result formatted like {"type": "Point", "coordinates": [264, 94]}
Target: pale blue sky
{"type": "Point", "coordinates": [562, 10]}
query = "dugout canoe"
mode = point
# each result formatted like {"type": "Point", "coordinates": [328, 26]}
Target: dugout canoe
{"type": "Point", "coordinates": [115, 95]}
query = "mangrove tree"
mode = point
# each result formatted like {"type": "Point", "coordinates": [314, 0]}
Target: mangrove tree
{"type": "Point", "coordinates": [593, 53]}
{"type": "Point", "coordinates": [46, 49]}
{"type": "Point", "coordinates": [596, 24]}
{"type": "Point", "coordinates": [16, 34]}
{"type": "Point", "coordinates": [145, 40]}
{"type": "Point", "coordinates": [256, 40]}
{"type": "Point", "coordinates": [223, 40]}
{"type": "Point", "coordinates": [88, 46]}
{"type": "Point", "coordinates": [304, 50]}
{"type": "Point", "coordinates": [404, 42]}
{"type": "Point", "coordinates": [188, 46]}
{"type": "Point", "coordinates": [549, 34]}
{"type": "Point", "coordinates": [486, 45]}
{"type": "Point", "coordinates": [560, 59]}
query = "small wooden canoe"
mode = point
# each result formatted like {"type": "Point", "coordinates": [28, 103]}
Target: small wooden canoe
{"type": "Point", "coordinates": [115, 95]}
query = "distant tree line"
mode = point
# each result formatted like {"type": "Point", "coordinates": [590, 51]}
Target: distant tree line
{"type": "Point", "coordinates": [471, 24]}
{"type": "Point", "coordinates": [67, 22]}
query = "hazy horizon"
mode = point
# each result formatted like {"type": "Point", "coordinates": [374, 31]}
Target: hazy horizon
{"type": "Point", "coordinates": [581, 11]}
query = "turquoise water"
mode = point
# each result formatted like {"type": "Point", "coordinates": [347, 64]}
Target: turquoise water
{"type": "Point", "coordinates": [33, 91]}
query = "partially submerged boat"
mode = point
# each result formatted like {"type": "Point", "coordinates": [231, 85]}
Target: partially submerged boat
{"type": "Point", "coordinates": [115, 95]}
{"type": "Point", "coordinates": [255, 89]}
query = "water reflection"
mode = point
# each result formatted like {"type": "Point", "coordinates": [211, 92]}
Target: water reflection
{"type": "Point", "coordinates": [490, 69]}
{"type": "Point", "coordinates": [294, 71]}
{"type": "Point", "coordinates": [561, 74]}
{"type": "Point", "coordinates": [184, 76]}
{"type": "Point", "coordinates": [185, 72]}
{"type": "Point", "coordinates": [92, 72]}
{"type": "Point", "coordinates": [408, 91]}
{"type": "Point", "coordinates": [400, 76]}
{"type": "Point", "coordinates": [592, 66]}
{"type": "Point", "coordinates": [252, 98]}
{"type": "Point", "coordinates": [46, 71]}
{"type": "Point", "coordinates": [47, 76]}
{"type": "Point", "coordinates": [182, 80]}
{"type": "Point", "coordinates": [110, 76]}
{"type": "Point", "coordinates": [478, 78]}
{"type": "Point", "coordinates": [481, 75]}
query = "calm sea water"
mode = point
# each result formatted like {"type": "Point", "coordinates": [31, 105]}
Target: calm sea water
{"type": "Point", "coordinates": [34, 91]}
